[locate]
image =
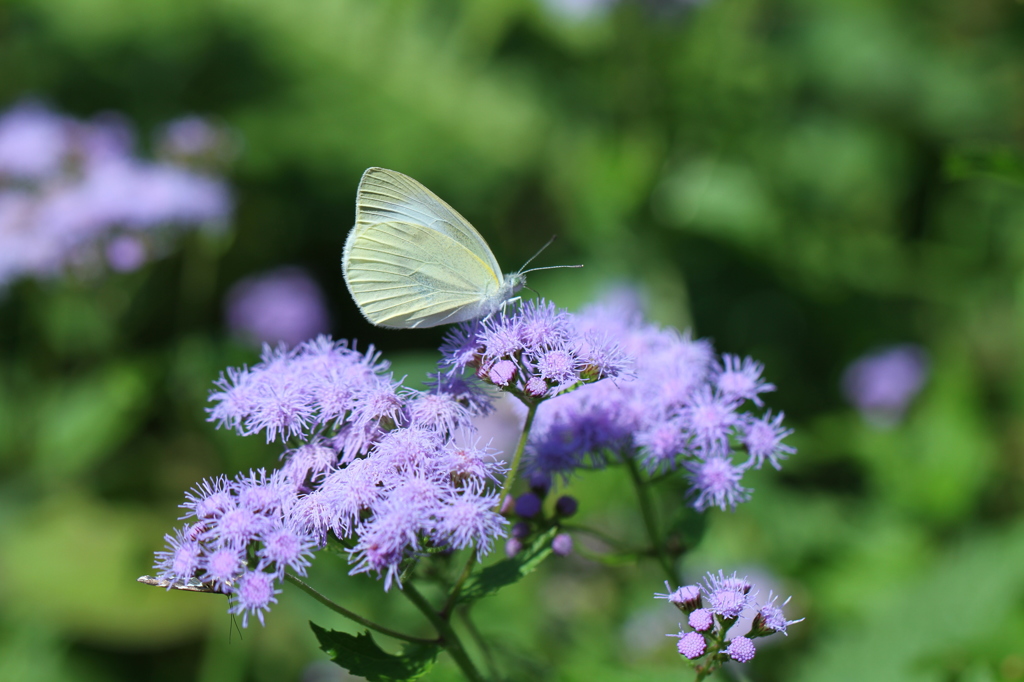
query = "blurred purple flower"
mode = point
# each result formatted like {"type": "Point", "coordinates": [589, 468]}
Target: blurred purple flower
{"type": "Point", "coordinates": [69, 189]}
{"type": "Point", "coordinates": [283, 305]}
{"type": "Point", "coordinates": [34, 141]}
{"type": "Point", "coordinates": [189, 136]}
{"type": "Point", "coordinates": [126, 253]}
{"type": "Point", "coordinates": [882, 384]}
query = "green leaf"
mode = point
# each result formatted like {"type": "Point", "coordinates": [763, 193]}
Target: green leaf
{"type": "Point", "coordinates": [496, 576]}
{"type": "Point", "coordinates": [685, 530]}
{"type": "Point", "coordinates": [361, 656]}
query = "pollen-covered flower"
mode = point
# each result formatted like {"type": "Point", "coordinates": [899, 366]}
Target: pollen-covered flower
{"type": "Point", "coordinates": [691, 645]}
{"type": "Point", "coordinates": [741, 649]}
{"type": "Point", "coordinates": [536, 352]}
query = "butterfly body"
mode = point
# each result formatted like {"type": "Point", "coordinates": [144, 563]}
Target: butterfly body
{"type": "Point", "coordinates": [412, 261]}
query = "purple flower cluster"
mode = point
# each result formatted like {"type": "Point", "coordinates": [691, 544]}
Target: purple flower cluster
{"type": "Point", "coordinates": [535, 354]}
{"type": "Point", "coordinates": [681, 407]}
{"type": "Point", "coordinates": [372, 464]}
{"type": "Point", "coordinates": [240, 538]}
{"type": "Point", "coordinates": [713, 607]}
{"type": "Point", "coordinates": [73, 195]}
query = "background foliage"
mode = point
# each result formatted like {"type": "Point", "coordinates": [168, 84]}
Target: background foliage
{"type": "Point", "coordinates": [801, 181]}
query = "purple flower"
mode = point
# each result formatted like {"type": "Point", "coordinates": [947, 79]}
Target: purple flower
{"type": "Point", "coordinates": [290, 392]}
{"type": "Point", "coordinates": [741, 649]}
{"type": "Point", "coordinates": [727, 596]}
{"type": "Point", "coordinates": [285, 544]}
{"type": "Point", "coordinates": [253, 596]}
{"type": "Point", "coordinates": [308, 460]}
{"type": "Point", "coordinates": [770, 618]}
{"type": "Point", "coordinates": [562, 544]}
{"type": "Point", "coordinates": [513, 547]}
{"type": "Point", "coordinates": [461, 347]}
{"type": "Point", "coordinates": [33, 141]}
{"type": "Point", "coordinates": [180, 560]}
{"type": "Point", "coordinates": [382, 545]}
{"type": "Point", "coordinates": [727, 603]}
{"type": "Point", "coordinates": [544, 325]}
{"type": "Point", "coordinates": [763, 440]}
{"type": "Point", "coordinates": [283, 305]}
{"type": "Point", "coordinates": [209, 499]}
{"type": "Point", "coordinates": [686, 598]}
{"type": "Point", "coordinates": [223, 567]}
{"type": "Point", "coordinates": [701, 620]}
{"type": "Point", "coordinates": [710, 418]}
{"type": "Point", "coordinates": [691, 644]}
{"type": "Point", "coordinates": [715, 482]}
{"type": "Point", "coordinates": [882, 384]}
{"type": "Point", "coordinates": [126, 253]}
{"type": "Point", "coordinates": [502, 373]}
{"type": "Point", "coordinates": [741, 379]}
{"type": "Point", "coordinates": [194, 137]}
{"type": "Point", "coordinates": [661, 442]}
{"type": "Point", "coordinates": [467, 519]}
{"type": "Point", "coordinates": [440, 411]}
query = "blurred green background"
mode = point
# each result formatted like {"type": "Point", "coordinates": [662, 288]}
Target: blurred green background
{"type": "Point", "coordinates": [800, 181]}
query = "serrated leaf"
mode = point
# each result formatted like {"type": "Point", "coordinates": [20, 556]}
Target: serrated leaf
{"type": "Point", "coordinates": [508, 571]}
{"type": "Point", "coordinates": [361, 656]}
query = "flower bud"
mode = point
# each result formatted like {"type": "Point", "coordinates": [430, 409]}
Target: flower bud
{"type": "Point", "coordinates": [562, 544]}
{"type": "Point", "coordinates": [566, 506]}
{"type": "Point", "coordinates": [528, 505]}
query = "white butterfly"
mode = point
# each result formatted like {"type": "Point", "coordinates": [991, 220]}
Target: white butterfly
{"type": "Point", "coordinates": [412, 261]}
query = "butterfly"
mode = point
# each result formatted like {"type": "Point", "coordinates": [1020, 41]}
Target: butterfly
{"type": "Point", "coordinates": [412, 261]}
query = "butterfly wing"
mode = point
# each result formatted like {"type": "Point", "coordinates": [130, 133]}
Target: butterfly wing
{"type": "Point", "coordinates": [389, 196]}
{"type": "Point", "coordinates": [404, 275]}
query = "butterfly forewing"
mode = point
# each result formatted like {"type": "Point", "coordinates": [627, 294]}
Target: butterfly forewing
{"type": "Point", "coordinates": [386, 195]}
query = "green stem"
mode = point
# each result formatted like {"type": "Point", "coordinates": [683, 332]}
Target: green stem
{"type": "Point", "coordinates": [506, 488]}
{"type": "Point", "coordinates": [449, 639]}
{"type": "Point", "coordinates": [354, 616]}
{"type": "Point", "coordinates": [520, 448]}
{"type": "Point", "coordinates": [474, 632]}
{"type": "Point", "coordinates": [647, 512]}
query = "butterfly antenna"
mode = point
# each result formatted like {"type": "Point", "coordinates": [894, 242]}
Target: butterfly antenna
{"type": "Point", "coordinates": [540, 251]}
{"type": "Point", "coordinates": [523, 270]}
{"type": "Point", "coordinates": [549, 267]}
